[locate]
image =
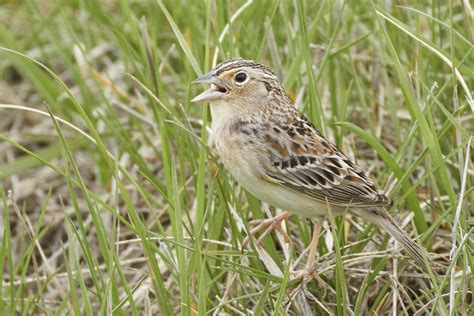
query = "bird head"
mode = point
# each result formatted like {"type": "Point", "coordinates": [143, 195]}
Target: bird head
{"type": "Point", "coordinates": [238, 80]}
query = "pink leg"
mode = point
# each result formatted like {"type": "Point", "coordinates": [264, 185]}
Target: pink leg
{"type": "Point", "coordinates": [309, 271]}
{"type": "Point", "coordinates": [268, 225]}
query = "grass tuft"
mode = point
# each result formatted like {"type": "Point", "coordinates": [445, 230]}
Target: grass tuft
{"type": "Point", "coordinates": [113, 202]}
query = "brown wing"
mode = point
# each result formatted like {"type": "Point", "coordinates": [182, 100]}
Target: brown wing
{"type": "Point", "coordinates": [300, 158]}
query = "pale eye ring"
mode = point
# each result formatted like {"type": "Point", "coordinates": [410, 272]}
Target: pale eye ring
{"type": "Point", "coordinates": [240, 77]}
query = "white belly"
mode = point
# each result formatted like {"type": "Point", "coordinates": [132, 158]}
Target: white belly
{"type": "Point", "coordinates": [284, 198]}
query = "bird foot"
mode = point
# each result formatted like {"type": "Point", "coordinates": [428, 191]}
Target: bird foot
{"type": "Point", "coordinates": [268, 225]}
{"type": "Point", "coordinates": [307, 274]}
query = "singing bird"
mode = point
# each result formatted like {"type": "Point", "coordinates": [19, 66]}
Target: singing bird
{"type": "Point", "coordinates": [276, 153]}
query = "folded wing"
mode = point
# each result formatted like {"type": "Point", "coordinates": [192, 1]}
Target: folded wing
{"type": "Point", "coordinates": [300, 158]}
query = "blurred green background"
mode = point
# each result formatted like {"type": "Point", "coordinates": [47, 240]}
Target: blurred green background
{"type": "Point", "coordinates": [114, 203]}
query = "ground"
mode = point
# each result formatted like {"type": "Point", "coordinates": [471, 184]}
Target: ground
{"type": "Point", "coordinates": [113, 201]}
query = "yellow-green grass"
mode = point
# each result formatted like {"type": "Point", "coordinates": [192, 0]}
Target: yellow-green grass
{"type": "Point", "coordinates": [113, 202]}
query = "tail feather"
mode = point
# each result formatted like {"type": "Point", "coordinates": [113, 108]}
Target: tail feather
{"type": "Point", "coordinates": [382, 218]}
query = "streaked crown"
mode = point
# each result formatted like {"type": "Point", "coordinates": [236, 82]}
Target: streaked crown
{"type": "Point", "coordinates": [240, 63]}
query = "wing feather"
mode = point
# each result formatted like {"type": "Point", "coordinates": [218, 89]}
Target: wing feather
{"type": "Point", "coordinates": [301, 159]}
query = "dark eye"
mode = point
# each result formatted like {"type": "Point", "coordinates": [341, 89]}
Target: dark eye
{"type": "Point", "coordinates": [240, 77]}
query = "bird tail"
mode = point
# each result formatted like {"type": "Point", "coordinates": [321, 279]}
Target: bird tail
{"type": "Point", "coordinates": [382, 218]}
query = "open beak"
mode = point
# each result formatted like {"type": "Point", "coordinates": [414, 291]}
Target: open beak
{"type": "Point", "coordinates": [214, 93]}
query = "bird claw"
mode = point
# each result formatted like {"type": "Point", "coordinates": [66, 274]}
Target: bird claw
{"type": "Point", "coordinates": [268, 225]}
{"type": "Point", "coordinates": [307, 274]}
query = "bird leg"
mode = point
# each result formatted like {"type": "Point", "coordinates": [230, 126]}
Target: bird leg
{"type": "Point", "coordinates": [268, 225]}
{"type": "Point", "coordinates": [309, 272]}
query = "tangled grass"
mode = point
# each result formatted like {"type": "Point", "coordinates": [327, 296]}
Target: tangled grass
{"type": "Point", "coordinates": [112, 201]}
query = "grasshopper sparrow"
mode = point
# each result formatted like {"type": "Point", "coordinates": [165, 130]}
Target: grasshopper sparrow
{"type": "Point", "coordinates": [275, 153]}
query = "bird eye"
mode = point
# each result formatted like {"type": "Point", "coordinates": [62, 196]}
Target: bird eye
{"type": "Point", "coordinates": [240, 77]}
